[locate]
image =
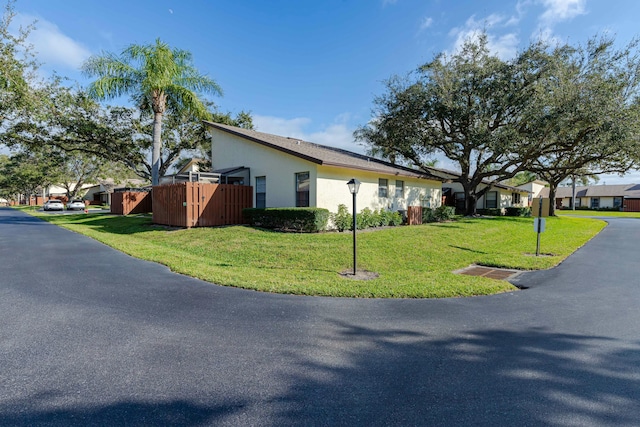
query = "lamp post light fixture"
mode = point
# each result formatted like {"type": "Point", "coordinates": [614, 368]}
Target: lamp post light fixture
{"type": "Point", "coordinates": [354, 186]}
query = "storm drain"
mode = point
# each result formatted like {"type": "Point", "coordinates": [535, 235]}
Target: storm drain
{"type": "Point", "coordinates": [490, 272]}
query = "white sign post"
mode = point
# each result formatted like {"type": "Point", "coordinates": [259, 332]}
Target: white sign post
{"type": "Point", "coordinates": [539, 225]}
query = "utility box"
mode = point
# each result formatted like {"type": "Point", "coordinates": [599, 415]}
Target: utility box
{"type": "Point", "coordinates": [535, 207]}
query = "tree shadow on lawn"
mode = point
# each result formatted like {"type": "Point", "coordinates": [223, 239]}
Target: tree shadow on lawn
{"type": "Point", "coordinates": [479, 377]}
{"type": "Point", "coordinates": [118, 224]}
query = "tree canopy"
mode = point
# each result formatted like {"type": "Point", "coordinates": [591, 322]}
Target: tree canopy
{"type": "Point", "coordinates": [495, 118]}
{"type": "Point", "coordinates": [590, 113]}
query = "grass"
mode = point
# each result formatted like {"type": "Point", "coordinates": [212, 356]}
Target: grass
{"type": "Point", "coordinates": [579, 212]}
{"type": "Point", "coordinates": [412, 262]}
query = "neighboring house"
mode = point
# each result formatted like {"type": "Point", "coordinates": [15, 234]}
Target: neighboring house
{"type": "Point", "coordinates": [499, 196]}
{"type": "Point", "coordinates": [100, 194]}
{"type": "Point", "coordinates": [59, 192]}
{"type": "Point", "coordinates": [288, 172]}
{"type": "Point", "coordinates": [191, 172]}
{"type": "Point", "coordinates": [534, 188]}
{"type": "Point", "coordinates": [624, 197]}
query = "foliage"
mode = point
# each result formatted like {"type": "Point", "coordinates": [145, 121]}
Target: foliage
{"type": "Point", "coordinates": [591, 115]}
{"type": "Point", "coordinates": [523, 177]}
{"type": "Point", "coordinates": [440, 214]}
{"type": "Point", "coordinates": [342, 220]}
{"type": "Point", "coordinates": [76, 124]}
{"type": "Point", "coordinates": [552, 112]}
{"type": "Point", "coordinates": [17, 68]}
{"type": "Point", "coordinates": [159, 79]}
{"type": "Point", "coordinates": [517, 211]}
{"type": "Point", "coordinates": [366, 219]}
{"type": "Point", "coordinates": [413, 262]}
{"type": "Point", "coordinates": [471, 107]}
{"type": "Point", "coordinates": [308, 220]}
{"type": "Point", "coordinates": [490, 211]}
{"type": "Point", "coordinates": [27, 172]}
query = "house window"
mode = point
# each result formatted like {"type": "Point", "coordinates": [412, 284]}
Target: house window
{"type": "Point", "coordinates": [491, 200]}
{"type": "Point", "coordinates": [595, 202]}
{"type": "Point", "coordinates": [399, 189]}
{"type": "Point", "coordinates": [577, 202]}
{"type": "Point", "coordinates": [617, 202]}
{"type": "Point", "coordinates": [383, 187]}
{"type": "Point", "coordinates": [515, 199]}
{"type": "Point", "coordinates": [302, 189]}
{"type": "Point", "coordinates": [261, 192]}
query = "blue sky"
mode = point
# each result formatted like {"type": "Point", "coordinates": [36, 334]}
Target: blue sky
{"type": "Point", "coordinates": [310, 69]}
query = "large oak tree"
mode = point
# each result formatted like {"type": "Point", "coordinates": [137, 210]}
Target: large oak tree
{"type": "Point", "coordinates": [470, 107]}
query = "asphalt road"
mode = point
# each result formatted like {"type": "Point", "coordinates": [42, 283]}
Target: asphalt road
{"type": "Point", "coordinates": [89, 336]}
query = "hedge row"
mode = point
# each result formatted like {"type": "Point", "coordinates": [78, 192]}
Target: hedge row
{"type": "Point", "coordinates": [307, 220]}
{"type": "Point", "coordinates": [343, 220]}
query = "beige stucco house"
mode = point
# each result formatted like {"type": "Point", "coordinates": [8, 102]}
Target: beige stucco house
{"type": "Point", "coordinates": [623, 196]}
{"type": "Point", "coordinates": [289, 172]}
{"type": "Point", "coordinates": [499, 196]}
{"type": "Point", "coordinates": [534, 188]}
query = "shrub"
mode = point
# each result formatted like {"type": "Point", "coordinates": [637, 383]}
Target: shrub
{"type": "Point", "coordinates": [517, 211]}
{"type": "Point", "coordinates": [366, 219]}
{"type": "Point", "coordinates": [309, 220]}
{"type": "Point", "coordinates": [444, 213]}
{"type": "Point", "coordinates": [490, 212]}
{"type": "Point", "coordinates": [428, 215]}
{"type": "Point", "coordinates": [342, 220]}
{"type": "Point", "coordinates": [395, 218]}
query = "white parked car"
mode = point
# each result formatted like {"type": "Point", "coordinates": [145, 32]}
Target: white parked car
{"type": "Point", "coordinates": [53, 205]}
{"type": "Point", "coordinates": [75, 204]}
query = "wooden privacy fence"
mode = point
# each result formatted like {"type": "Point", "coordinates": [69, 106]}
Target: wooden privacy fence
{"type": "Point", "coordinates": [414, 215]}
{"type": "Point", "coordinates": [194, 204]}
{"type": "Point", "coordinates": [130, 202]}
{"type": "Point", "coordinates": [631, 205]}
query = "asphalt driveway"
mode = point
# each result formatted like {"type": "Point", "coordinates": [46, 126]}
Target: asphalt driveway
{"type": "Point", "coordinates": [90, 336]}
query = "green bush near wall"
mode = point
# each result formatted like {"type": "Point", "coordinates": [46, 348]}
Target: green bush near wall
{"type": "Point", "coordinates": [302, 220]}
{"type": "Point", "coordinates": [343, 220]}
{"type": "Point", "coordinates": [517, 211]}
{"type": "Point", "coordinates": [439, 214]}
{"type": "Point", "coordinates": [490, 212]}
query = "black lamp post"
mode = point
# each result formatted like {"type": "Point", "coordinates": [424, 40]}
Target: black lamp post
{"type": "Point", "coordinates": [354, 186]}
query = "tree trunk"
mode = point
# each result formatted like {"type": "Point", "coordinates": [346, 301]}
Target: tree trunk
{"type": "Point", "coordinates": [470, 202]}
{"type": "Point", "coordinates": [573, 193]}
{"type": "Point", "coordinates": [157, 144]}
{"type": "Point", "coordinates": [552, 198]}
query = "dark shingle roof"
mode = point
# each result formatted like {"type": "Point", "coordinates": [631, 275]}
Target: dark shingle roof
{"type": "Point", "coordinates": [322, 154]}
{"type": "Point", "coordinates": [631, 191]}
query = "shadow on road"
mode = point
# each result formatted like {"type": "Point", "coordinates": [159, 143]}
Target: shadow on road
{"type": "Point", "coordinates": [495, 377]}
{"type": "Point", "coordinates": [365, 377]}
{"type": "Point", "coordinates": [177, 413]}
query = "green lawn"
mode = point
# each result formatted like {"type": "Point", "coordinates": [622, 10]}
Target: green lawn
{"type": "Point", "coordinates": [412, 262]}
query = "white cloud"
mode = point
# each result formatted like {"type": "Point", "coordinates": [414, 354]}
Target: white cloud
{"type": "Point", "coordinates": [504, 46]}
{"type": "Point", "coordinates": [561, 10]}
{"type": "Point", "coordinates": [53, 47]}
{"type": "Point", "coordinates": [426, 23]}
{"type": "Point", "coordinates": [556, 11]}
{"type": "Point", "coordinates": [338, 134]}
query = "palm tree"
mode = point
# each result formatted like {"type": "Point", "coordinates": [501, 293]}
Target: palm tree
{"type": "Point", "coordinates": [158, 78]}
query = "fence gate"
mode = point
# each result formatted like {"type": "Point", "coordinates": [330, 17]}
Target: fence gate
{"type": "Point", "coordinates": [194, 204]}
